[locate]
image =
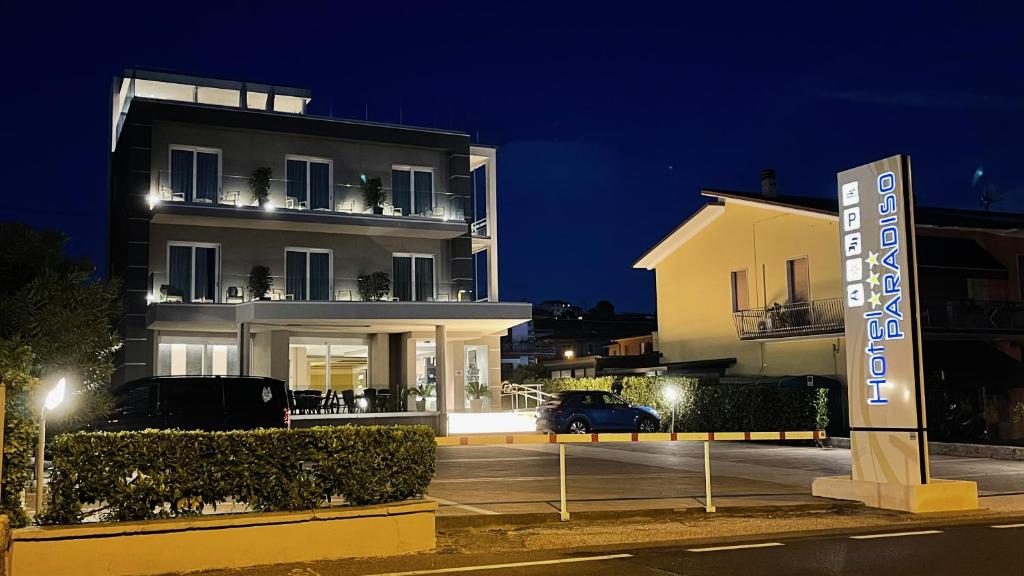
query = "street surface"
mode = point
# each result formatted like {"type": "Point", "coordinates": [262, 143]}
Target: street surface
{"type": "Point", "coordinates": [487, 480]}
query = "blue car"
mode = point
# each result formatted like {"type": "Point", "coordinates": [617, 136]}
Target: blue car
{"type": "Point", "coordinates": [583, 412]}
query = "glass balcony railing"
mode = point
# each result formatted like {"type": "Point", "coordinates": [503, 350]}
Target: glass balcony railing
{"type": "Point", "coordinates": [344, 198]}
{"type": "Point", "coordinates": [817, 317]}
{"type": "Point", "coordinates": [977, 316]}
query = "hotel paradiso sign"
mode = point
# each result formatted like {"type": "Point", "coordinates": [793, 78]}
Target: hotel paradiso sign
{"type": "Point", "coordinates": [883, 342]}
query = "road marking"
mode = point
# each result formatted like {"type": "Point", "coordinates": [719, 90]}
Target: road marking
{"type": "Point", "coordinates": [509, 565]}
{"type": "Point", "coordinates": [736, 547]}
{"type": "Point", "coordinates": [896, 534]}
{"type": "Point", "coordinates": [465, 507]}
{"type": "Point", "coordinates": [1009, 526]}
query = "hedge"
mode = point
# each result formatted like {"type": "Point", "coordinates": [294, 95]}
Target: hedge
{"type": "Point", "coordinates": [20, 428]}
{"type": "Point", "coordinates": [705, 406]}
{"type": "Point", "coordinates": [122, 476]}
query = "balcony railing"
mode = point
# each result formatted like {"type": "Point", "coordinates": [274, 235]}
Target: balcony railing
{"type": "Point", "coordinates": [527, 348]}
{"type": "Point", "coordinates": [998, 316]}
{"type": "Point", "coordinates": [345, 199]}
{"type": "Point", "coordinates": [814, 318]}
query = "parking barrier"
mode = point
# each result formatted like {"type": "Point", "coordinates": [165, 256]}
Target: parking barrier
{"type": "Point", "coordinates": [562, 439]}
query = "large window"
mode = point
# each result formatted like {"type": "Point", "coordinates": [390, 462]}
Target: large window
{"type": "Point", "coordinates": [195, 174]}
{"type": "Point", "coordinates": [798, 279]}
{"type": "Point", "coordinates": [308, 274]}
{"type": "Point", "coordinates": [412, 189]}
{"type": "Point", "coordinates": [412, 277]}
{"type": "Point", "coordinates": [324, 364]}
{"type": "Point", "coordinates": [193, 272]}
{"type": "Point", "coordinates": [195, 356]}
{"type": "Point", "coordinates": [309, 183]}
{"type": "Point", "coordinates": [740, 292]}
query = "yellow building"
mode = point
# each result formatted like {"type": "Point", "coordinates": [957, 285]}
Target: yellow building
{"type": "Point", "coordinates": [750, 285]}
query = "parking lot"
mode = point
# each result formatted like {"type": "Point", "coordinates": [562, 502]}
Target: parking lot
{"type": "Point", "coordinates": [628, 476]}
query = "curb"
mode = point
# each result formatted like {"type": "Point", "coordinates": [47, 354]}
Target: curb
{"type": "Point", "coordinates": [997, 452]}
{"type": "Point", "coordinates": [530, 519]}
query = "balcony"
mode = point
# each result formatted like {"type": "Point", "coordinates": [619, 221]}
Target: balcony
{"type": "Point", "coordinates": [792, 320]}
{"type": "Point", "coordinates": [973, 316]}
{"type": "Point", "coordinates": [527, 348]}
{"type": "Point", "coordinates": [230, 203]}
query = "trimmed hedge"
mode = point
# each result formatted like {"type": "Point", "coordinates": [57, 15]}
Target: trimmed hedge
{"type": "Point", "coordinates": [705, 406]}
{"type": "Point", "coordinates": [167, 474]}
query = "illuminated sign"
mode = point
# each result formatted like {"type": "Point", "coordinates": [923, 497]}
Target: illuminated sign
{"type": "Point", "coordinates": [883, 350]}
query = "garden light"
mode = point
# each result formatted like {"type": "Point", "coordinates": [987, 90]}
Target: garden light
{"type": "Point", "coordinates": [56, 396]}
{"type": "Point", "coordinates": [671, 393]}
{"type": "Point", "coordinates": [53, 399]}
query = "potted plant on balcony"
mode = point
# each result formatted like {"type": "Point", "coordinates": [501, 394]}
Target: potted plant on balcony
{"type": "Point", "coordinates": [259, 184]}
{"type": "Point", "coordinates": [420, 392]}
{"type": "Point", "coordinates": [259, 283]}
{"type": "Point", "coordinates": [477, 391]}
{"type": "Point", "coordinates": [373, 194]}
{"type": "Point", "coordinates": [374, 287]}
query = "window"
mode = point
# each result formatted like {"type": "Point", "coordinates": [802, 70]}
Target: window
{"type": "Point", "coordinates": [412, 277]}
{"type": "Point", "coordinates": [197, 356]}
{"type": "Point", "coordinates": [612, 401]}
{"type": "Point", "coordinates": [308, 273]}
{"type": "Point", "coordinates": [309, 183]}
{"type": "Point", "coordinates": [740, 293]}
{"type": "Point", "coordinates": [412, 189]}
{"type": "Point", "coordinates": [193, 272]}
{"type": "Point", "coordinates": [798, 280]}
{"type": "Point", "coordinates": [195, 174]}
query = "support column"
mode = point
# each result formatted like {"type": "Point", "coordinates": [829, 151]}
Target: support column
{"type": "Point", "coordinates": [441, 354]}
{"type": "Point", "coordinates": [244, 349]}
{"type": "Point", "coordinates": [380, 348]}
{"type": "Point", "coordinates": [279, 360]}
{"type": "Point", "coordinates": [408, 364]}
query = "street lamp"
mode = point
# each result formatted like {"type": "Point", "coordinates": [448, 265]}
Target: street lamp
{"type": "Point", "coordinates": [53, 399]}
{"type": "Point", "coordinates": [671, 394]}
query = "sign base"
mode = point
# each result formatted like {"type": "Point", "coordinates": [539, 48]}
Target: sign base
{"type": "Point", "coordinates": [936, 496]}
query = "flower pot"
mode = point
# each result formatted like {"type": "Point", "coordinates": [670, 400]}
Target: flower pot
{"type": "Point", "coordinates": [378, 209]}
{"type": "Point", "coordinates": [476, 404]}
{"type": "Point", "coordinates": [421, 404]}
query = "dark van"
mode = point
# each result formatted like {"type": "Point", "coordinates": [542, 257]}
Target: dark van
{"type": "Point", "coordinates": [200, 403]}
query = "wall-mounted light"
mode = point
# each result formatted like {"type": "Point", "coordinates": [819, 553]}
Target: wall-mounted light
{"type": "Point", "coordinates": [268, 206]}
{"type": "Point", "coordinates": [569, 354]}
{"type": "Point", "coordinates": [150, 298]}
{"type": "Point", "coordinates": [153, 200]}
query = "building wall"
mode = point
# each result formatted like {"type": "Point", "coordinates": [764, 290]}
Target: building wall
{"type": "Point", "coordinates": [695, 320]}
{"type": "Point", "coordinates": [243, 248]}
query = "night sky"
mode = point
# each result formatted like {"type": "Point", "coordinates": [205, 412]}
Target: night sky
{"type": "Point", "coordinates": [608, 122]}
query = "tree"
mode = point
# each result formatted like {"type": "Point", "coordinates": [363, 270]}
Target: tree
{"type": "Point", "coordinates": [528, 372]}
{"type": "Point", "coordinates": [603, 310]}
{"type": "Point", "coordinates": [54, 305]}
{"type": "Point", "coordinates": [20, 427]}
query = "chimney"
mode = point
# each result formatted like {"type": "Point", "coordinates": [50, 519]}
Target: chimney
{"type": "Point", "coordinates": [768, 183]}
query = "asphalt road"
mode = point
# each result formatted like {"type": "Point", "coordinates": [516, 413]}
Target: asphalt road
{"type": "Point", "coordinates": [473, 480]}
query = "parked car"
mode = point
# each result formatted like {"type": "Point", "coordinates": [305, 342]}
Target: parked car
{"type": "Point", "coordinates": [200, 403]}
{"type": "Point", "coordinates": [583, 412]}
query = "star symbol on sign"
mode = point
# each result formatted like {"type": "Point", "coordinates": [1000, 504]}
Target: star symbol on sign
{"type": "Point", "coordinates": [873, 279]}
{"type": "Point", "coordinates": [875, 299]}
{"type": "Point", "coordinates": [872, 258]}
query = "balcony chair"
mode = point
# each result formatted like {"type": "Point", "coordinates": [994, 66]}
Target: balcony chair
{"type": "Point", "coordinates": [169, 293]}
{"type": "Point", "coordinates": [371, 399]}
{"type": "Point", "coordinates": [343, 296]}
{"type": "Point", "coordinates": [383, 400]}
{"type": "Point", "coordinates": [346, 206]}
{"type": "Point", "coordinates": [437, 212]}
{"type": "Point", "coordinates": [293, 203]}
{"type": "Point", "coordinates": [396, 211]}
{"type": "Point", "coordinates": [236, 295]}
{"type": "Point", "coordinates": [230, 197]}
{"type": "Point", "coordinates": [330, 404]}
{"type": "Point", "coordinates": [442, 297]}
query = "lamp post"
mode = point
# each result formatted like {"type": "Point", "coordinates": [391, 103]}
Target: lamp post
{"type": "Point", "coordinates": [53, 399]}
{"type": "Point", "coordinates": [671, 394]}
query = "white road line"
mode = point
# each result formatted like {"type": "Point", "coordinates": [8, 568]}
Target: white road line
{"type": "Point", "coordinates": [736, 547]}
{"type": "Point", "coordinates": [896, 534]}
{"type": "Point", "coordinates": [509, 565]}
{"type": "Point", "coordinates": [1009, 526]}
{"type": "Point", "coordinates": [465, 507]}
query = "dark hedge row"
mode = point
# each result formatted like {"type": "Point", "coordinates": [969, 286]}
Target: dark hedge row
{"type": "Point", "coordinates": [163, 474]}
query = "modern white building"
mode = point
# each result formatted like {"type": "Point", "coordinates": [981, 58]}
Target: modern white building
{"type": "Point", "coordinates": [214, 181]}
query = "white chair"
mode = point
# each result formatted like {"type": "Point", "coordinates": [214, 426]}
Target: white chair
{"type": "Point", "coordinates": [293, 203]}
{"type": "Point", "coordinates": [230, 197]}
{"type": "Point", "coordinates": [347, 206]}
{"type": "Point", "coordinates": [437, 212]}
{"type": "Point", "coordinates": [344, 296]}
{"type": "Point", "coordinates": [396, 211]}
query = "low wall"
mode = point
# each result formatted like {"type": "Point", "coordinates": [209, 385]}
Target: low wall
{"type": "Point", "coordinates": [222, 541]}
{"type": "Point", "coordinates": [955, 449]}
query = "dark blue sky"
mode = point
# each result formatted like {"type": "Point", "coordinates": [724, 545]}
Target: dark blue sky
{"type": "Point", "coordinates": [608, 121]}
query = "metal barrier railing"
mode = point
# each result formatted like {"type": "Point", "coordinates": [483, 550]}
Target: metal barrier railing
{"type": "Point", "coordinates": [562, 439]}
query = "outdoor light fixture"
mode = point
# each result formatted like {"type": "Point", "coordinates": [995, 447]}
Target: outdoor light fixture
{"type": "Point", "coordinates": [671, 394]}
{"type": "Point", "coordinates": [568, 354]}
{"type": "Point", "coordinates": [150, 298]}
{"type": "Point", "coordinates": [268, 206]}
{"type": "Point", "coordinates": [153, 200]}
{"type": "Point", "coordinates": [53, 399]}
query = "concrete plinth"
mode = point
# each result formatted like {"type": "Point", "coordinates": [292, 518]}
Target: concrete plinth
{"type": "Point", "coordinates": [936, 496]}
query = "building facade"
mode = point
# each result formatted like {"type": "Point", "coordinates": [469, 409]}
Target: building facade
{"type": "Point", "coordinates": [214, 183]}
{"type": "Point", "coordinates": [749, 290]}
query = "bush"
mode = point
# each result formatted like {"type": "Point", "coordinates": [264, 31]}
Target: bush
{"type": "Point", "coordinates": [707, 406]}
{"type": "Point", "coordinates": [20, 427]}
{"type": "Point", "coordinates": [167, 474]}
